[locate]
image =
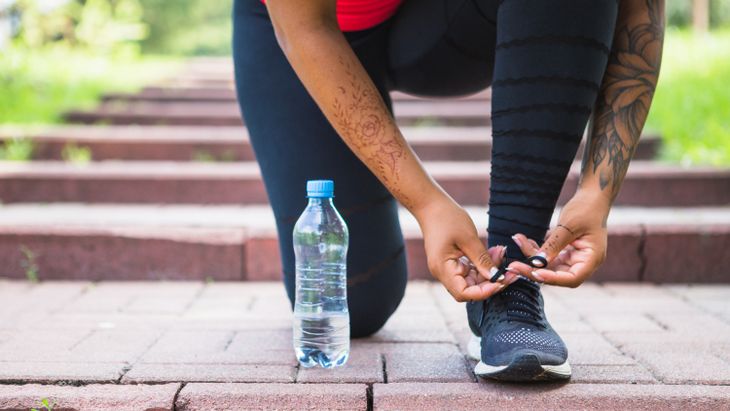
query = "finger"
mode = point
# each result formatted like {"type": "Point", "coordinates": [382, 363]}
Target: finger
{"type": "Point", "coordinates": [519, 267]}
{"type": "Point", "coordinates": [459, 267]}
{"type": "Point", "coordinates": [481, 291]}
{"type": "Point", "coordinates": [563, 278]}
{"type": "Point", "coordinates": [526, 245]}
{"type": "Point", "coordinates": [497, 254]}
{"type": "Point", "coordinates": [558, 238]}
{"type": "Point", "coordinates": [478, 254]}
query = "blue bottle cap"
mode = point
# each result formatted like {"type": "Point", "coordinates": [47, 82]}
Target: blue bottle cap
{"type": "Point", "coordinates": [320, 188]}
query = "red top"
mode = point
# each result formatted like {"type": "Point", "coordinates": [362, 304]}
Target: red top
{"type": "Point", "coordinates": [354, 15]}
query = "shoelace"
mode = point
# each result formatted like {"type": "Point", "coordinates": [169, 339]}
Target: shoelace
{"type": "Point", "coordinates": [519, 303]}
{"type": "Point", "coordinates": [536, 261]}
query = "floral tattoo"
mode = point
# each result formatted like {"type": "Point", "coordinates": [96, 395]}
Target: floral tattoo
{"type": "Point", "coordinates": [364, 124]}
{"type": "Point", "coordinates": [626, 92]}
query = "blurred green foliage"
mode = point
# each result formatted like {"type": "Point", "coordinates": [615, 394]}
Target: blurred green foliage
{"type": "Point", "coordinates": [40, 83]}
{"type": "Point", "coordinates": [189, 27]}
{"type": "Point", "coordinates": [180, 27]}
{"type": "Point", "coordinates": [101, 26]}
{"type": "Point", "coordinates": [691, 107]}
{"type": "Point", "coordinates": [679, 13]}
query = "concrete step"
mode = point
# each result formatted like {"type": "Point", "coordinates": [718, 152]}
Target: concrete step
{"type": "Point", "coordinates": [184, 143]}
{"type": "Point", "coordinates": [646, 184]}
{"type": "Point", "coordinates": [143, 242]}
{"type": "Point", "coordinates": [464, 113]}
{"type": "Point", "coordinates": [228, 94]}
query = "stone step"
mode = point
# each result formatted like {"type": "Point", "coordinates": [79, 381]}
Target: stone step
{"type": "Point", "coordinates": [144, 242]}
{"type": "Point", "coordinates": [228, 94]}
{"type": "Point", "coordinates": [464, 113]}
{"type": "Point", "coordinates": [184, 143]}
{"type": "Point", "coordinates": [646, 184]}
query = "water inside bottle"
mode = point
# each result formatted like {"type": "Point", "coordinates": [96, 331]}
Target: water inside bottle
{"type": "Point", "coordinates": [321, 319]}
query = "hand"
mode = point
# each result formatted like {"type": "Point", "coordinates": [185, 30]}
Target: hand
{"type": "Point", "coordinates": [456, 256]}
{"type": "Point", "coordinates": [575, 248]}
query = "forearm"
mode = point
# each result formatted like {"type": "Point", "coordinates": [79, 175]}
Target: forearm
{"type": "Point", "coordinates": [346, 95]}
{"type": "Point", "coordinates": [624, 97]}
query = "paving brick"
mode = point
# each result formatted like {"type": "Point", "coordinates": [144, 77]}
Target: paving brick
{"type": "Point", "coordinates": [592, 349]}
{"type": "Point", "coordinates": [616, 374]}
{"type": "Point", "coordinates": [223, 347]}
{"type": "Point", "coordinates": [30, 345]}
{"type": "Point", "coordinates": [78, 344]}
{"type": "Point", "coordinates": [201, 396]}
{"type": "Point", "coordinates": [592, 302]}
{"type": "Point", "coordinates": [364, 365]}
{"type": "Point", "coordinates": [89, 397]}
{"type": "Point", "coordinates": [114, 345]}
{"type": "Point", "coordinates": [219, 307]}
{"type": "Point", "coordinates": [693, 325]}
{"type": "Point", "coordinates": [440, 396]}
{"type": "Point", "coordinates": [27, 303]}
{"type": "Point", "coordinates": [425, 362]}
{"type": "Point", "coordinates": [52, 372]}
{"type": "Point", "coordinates": [610, 322]}
{"type": "Point", "coordinates": [676, 363]}
{"type": "Point", "coordinates": [156, 373]}
{"type": "Point", "coordinates": [231, 321]}
{"type": "Point", "coordinates": [418, 329]}
{"type": "Point", "coordinates": [101, 321]}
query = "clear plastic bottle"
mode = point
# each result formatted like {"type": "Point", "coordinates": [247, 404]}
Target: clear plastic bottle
{"type": "Point", "coordinates": [321, 318]}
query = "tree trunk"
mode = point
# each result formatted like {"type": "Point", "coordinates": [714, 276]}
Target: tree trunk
{"type": "Point", "coordinates": [701, 15]}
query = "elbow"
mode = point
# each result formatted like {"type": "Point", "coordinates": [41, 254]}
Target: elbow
{"type": "Point", "coordinates": [290, 34]}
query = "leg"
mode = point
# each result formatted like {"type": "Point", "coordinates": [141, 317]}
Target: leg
{"type": "Point", "coordinates": [549, 62]}
{"type": "Point", "coordinates": [550, 59]}
{"type": "Point", "coordinates": [294, 142]}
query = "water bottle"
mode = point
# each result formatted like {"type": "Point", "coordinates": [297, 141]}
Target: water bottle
{"type": "Point", "coordinates": [321, 318]}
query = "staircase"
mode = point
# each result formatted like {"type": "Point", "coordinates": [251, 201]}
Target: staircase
{"type": "Point", "coordinates": [173, 192]}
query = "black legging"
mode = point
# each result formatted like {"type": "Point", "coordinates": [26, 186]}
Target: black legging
{"type": "Point", "coordinates": [549, 60]}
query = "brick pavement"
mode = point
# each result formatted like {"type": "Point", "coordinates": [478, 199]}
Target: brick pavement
{"type": "Point", "coordinates": [222, 345]}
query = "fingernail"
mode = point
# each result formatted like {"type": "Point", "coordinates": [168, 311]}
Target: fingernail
{"type": "Point", "coordinates": [504, 251]}
{"type": "Point", "coordinates": [537, 262]}
{"type": "Point", "coordinates": [492, 272]}
{"type": "Point", "coordinates": [517, 240]}
{"type": "Point", "coordinates": [538, 277]}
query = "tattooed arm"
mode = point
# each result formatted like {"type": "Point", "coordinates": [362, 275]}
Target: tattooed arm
{"type": "Point", "coordinates": [319, 53]}
{"type": "Point", "coordinates": [577, 246]}
{"type": "Point", "coordinates": [625, 96]}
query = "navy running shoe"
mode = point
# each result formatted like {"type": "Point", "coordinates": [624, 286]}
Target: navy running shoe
{"type": "Point", "coordinates": [513, 340]}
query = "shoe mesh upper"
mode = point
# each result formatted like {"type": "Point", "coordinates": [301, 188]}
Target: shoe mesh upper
{"type": "Point", "coordinates": [529, 338]}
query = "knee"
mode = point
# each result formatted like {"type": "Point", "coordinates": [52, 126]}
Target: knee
{"type": "Point", "coordinates": [366, 324]}
{"type": "Point", "coordinates": [372, 305]}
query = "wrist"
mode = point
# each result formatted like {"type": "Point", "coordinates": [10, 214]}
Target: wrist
{"type": "Point", "coordinates": [430, 204]}
{"type": "Point", "coordinates": [599, 199]}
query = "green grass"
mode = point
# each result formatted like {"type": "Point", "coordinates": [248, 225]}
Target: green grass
{"type": "Point", "coordinates": [38, 85]}
{"type": "Point", "coordinates": [691, 108]}
{"type": "Point", "coordinates": [16, 149]}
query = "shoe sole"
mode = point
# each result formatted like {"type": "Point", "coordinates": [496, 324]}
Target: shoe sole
{"type": "Point", "coordinates": [525, 367]}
